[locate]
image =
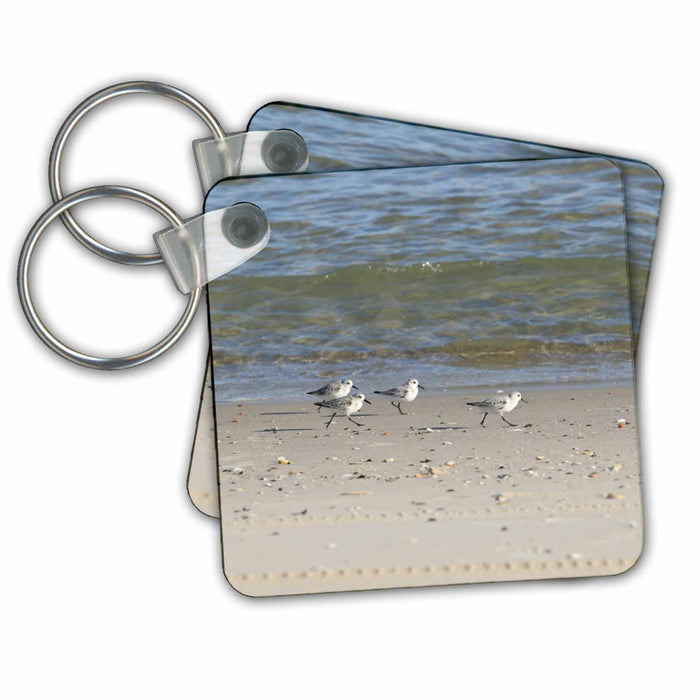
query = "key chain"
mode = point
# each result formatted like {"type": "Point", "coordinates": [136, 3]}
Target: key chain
{"type": "Point", "coordinates": [425, 279]}
{"type": "Point", "coordinates": [191, 249]}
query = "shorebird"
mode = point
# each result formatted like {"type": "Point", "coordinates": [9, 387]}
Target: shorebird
{"type": "Point", "coordinates": [405, 392]}
{"type": "Point", "coordinates": [346, 405]}
{"type": "Point", "coordinates": [334, 390]}
{"type": "Point", "coordinates": [501, 403]}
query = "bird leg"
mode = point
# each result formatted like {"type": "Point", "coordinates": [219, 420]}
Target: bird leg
{"type": "Point", "coordinates": [331, 420]}
{"type": "Point", "coordinates": [398, 405]}
{"type": "Point", "coordinates": [483, 419]}
{"type": "Point", "coordinates": [354, 421]}
{"type": "Point", "coordinates": [512, 425]}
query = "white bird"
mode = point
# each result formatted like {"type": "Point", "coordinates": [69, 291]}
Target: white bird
{"type": "Point", "coordinates": [501, 403]}
{"type": "Point", "coordinates": [346, 405]}
{"type": "Point", "coordinates": [405, 392]}
{"type": "Point", "coordinates": [334, 390]}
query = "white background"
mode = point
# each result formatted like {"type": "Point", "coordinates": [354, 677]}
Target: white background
{"type": "Point", "coordinates": [111, 582]}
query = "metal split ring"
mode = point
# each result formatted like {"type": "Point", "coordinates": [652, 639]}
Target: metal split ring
{"type": "Point", "coordinates": [61, 208]}
{"type": "Point", "coordinates": [100, 97]}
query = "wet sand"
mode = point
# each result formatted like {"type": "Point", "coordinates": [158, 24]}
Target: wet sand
{"type": "Point", "coordinates": [431, 497]}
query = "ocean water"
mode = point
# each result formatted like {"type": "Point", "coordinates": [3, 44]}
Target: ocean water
{"type": "Point", "coordinates": [492, 275]}
{"type": "Point", "coordinates": [343, 141]}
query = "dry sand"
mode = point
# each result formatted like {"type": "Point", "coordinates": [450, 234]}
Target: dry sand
{"type": "Point", "coordinates": [431, 497]}
{"type": "Point", "coordinates": [203, 477]}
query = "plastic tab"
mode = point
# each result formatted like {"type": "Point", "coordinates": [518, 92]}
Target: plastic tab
{"type": "Point", "coordinates": [213, 244]}
{"type": "Point", "coordinates": [249, 153]}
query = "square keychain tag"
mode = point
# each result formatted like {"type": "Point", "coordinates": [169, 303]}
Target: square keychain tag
{"type": "Point", "coordinates": [481, 313]}
{"type": "Point", "coordinates": [340, 140]}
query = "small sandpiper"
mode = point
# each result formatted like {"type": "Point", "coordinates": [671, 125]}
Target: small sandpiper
{"type": "Point", "coordinates": [501, 403]}
{"type": "Point", "coordinates": [405, 392]}
{"type": "Point", "coordinates": [346, 405]}
{"type": "Point", "coordinates": [334, 390]}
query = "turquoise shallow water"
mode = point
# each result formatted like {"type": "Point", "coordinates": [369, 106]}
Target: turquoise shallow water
{"type": "Point", "coordinates": [459, 275]}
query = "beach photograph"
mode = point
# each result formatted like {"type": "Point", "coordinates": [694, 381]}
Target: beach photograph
{"type": "Point", "coordinates": [339, 140]}
{"type": "Point", "coordinates": [427, 378]}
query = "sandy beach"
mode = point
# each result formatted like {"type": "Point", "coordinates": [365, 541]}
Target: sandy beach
{"type": "Point", "coordinates": [431, 497]}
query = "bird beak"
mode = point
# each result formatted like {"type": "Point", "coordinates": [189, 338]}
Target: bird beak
{"type": "Point", "coordinates": [356, 388]}
{"type": "Point", "coordinates": [369, 402]}
{"type": "Point", "coordinates": [523, 400]}
{"type": "Point", "coordinates": [421, 387]}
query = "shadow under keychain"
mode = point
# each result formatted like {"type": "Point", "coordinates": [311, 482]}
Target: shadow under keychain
{"type": "Point", "coordinates": [478, 276]}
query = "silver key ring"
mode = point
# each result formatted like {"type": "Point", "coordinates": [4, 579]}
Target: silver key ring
{"type": "Point", "coordinates": [100, 97]}
{"type": "Point", "coordinates": [29, 309]}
